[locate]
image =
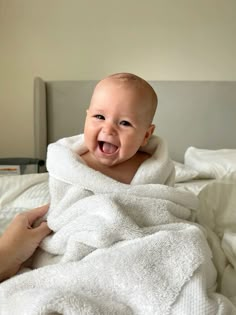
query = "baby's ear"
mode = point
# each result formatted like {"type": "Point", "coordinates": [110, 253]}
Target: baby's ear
{"type": "Point", "coordinates": [148, 134]}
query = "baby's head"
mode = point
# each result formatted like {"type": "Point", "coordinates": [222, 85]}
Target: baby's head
{"type": "Point", "coordinates": [119, 118]}
{"type": "Point", "coordinates": [135, 87]}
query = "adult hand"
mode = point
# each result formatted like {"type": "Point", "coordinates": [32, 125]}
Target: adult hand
{"type": "Point", "coordinates": [20, 240]}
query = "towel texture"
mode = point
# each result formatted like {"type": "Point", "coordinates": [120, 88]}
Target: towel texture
{"type": "Point", "coordinates": [116, 248]}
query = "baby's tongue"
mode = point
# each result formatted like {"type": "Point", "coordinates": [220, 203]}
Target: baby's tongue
{"type": "Point", "coordinates": [108, 148]}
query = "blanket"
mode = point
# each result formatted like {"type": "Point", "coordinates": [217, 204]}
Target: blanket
{"type": "Point", "coordinates": [117, 248]}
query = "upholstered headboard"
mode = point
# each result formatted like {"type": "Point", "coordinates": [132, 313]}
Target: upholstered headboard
{"type": "Point", "coordinates": [190, 113]}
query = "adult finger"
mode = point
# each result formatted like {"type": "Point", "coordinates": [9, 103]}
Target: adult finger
{"type": "Point", "coordinates": [42, 230]}
{"type": "Point", "coordinates": [36, 213]}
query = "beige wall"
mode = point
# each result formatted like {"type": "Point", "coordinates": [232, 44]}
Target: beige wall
{"type": "Point", "coordinates": [87, 39]}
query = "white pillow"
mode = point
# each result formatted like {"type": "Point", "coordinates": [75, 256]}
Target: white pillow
{"type": "Point", "coordinates": [184, 173]}
{"type": "Point", "coordinates": [211, 163]}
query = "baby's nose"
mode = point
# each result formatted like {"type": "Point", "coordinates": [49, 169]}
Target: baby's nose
{"type": "Point", "coordinates": [109, 128]}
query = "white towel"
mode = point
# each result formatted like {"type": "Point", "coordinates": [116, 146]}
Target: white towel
{"type": "Point", "coordinates": [116, 248]}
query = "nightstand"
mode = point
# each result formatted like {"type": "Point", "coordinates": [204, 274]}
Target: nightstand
{"type": "Point", "coordinates": [18, 165]}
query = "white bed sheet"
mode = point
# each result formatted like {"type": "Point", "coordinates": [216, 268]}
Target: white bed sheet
{"type": "Point", "coordinates": [194, 185]}
{"type": "Point", "coordinates": [19, 193]}
{"type": "Point", "coordinates": [217, 214]}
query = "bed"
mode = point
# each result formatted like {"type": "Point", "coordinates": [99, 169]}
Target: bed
{"type": "Point", "coordinates": [197, 120]}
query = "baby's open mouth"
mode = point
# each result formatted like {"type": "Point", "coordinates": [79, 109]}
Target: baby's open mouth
{"type": "Point", "coordinates": [107, 147]}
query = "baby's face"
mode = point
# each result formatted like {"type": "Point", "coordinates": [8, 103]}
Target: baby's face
{"type": "Point", "coordinates": [117, 123]}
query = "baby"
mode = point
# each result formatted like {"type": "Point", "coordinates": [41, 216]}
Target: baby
{"type": "Point", "coordinates": [90, 172]}
{"type": "Point", "coordinates": [118, 124]}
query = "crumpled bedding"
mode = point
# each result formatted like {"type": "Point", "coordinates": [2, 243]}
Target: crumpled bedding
{"type": "Point", "coordinates": [217, 213]}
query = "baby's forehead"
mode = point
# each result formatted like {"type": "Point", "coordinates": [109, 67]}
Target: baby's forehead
{"type": "Point", "coordinates": [133, 83]}
{"type": "Point", "coordinates": [136, 89]}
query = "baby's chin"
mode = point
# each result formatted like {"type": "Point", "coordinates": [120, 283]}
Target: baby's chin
{"type": "Point", "coordinates": [107, 162]}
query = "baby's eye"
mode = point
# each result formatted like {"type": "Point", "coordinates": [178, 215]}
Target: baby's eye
{"type": "Point", "coordinates": [98, 116]}
{"type": "Point", "coordinates": [125, 123]}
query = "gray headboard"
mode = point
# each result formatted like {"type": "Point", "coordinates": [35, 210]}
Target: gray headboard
{"type": "Point", "coordinates": [190, 113]}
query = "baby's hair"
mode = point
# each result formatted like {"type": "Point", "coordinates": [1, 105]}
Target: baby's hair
{"type": "Point", "coordinates": [138, 82]}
